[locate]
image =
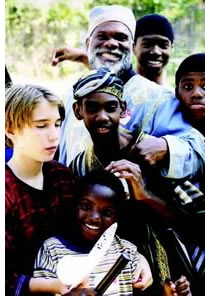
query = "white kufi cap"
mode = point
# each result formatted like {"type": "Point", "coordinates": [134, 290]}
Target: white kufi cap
{"type": "Point", "coordinates": [115, 13]}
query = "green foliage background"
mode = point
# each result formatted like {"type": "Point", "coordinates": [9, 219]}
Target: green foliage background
{"type": "Point", "coordinates": [35, 28]}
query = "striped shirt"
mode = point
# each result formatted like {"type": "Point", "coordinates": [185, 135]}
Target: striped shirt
{"type": "Point", "coordinates": [55, 248]}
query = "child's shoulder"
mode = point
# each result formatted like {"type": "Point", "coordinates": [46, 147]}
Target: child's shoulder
{"type": "Point", "coordinates": [51, 241]}
{"type": "Point", "coordinates": [56, 247]}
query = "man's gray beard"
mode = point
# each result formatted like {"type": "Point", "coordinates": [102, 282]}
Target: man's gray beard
{"type": "Point", "coordinates": [118, 67]}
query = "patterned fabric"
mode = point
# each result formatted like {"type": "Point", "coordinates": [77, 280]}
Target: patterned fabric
{"type": "Point", "coordinates": [85, 162]}
{"type": "Point", "coordinates": [55, 248]}
{"type": "Point", "coordinates": [32, 215]}
{"type": "Point", "coordinates": [188, 193]}
{"type": "Point", "coordinates": [193, 201]}
{"type": "Point", "coordinates": [101, 80]}
{"type": "Point", "coordinates": [161, 259]}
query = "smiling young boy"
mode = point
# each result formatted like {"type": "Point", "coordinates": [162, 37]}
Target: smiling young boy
{"type": "Point", "coordinates": [99, 202]}
{"type": "Point", "coordinates": [154, 37]}
{"type": "Point", "coordinates": [100, 105]}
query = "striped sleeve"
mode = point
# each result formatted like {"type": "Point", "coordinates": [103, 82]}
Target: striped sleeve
{"type": "Point", "coordinates": [77, 165]}
{"type": "Point", "coordinates": [44, 265]}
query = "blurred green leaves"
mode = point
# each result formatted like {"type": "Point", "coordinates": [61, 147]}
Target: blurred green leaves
{"type": "Point", "coordinates": [171, 9]}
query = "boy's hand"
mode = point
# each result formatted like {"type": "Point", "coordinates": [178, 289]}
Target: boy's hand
{"type": "Point", "coordinates": [143, 276]}
{"type": "Point", "coordinates": [152, 149]}
{"type": "Point", "coordinates": [132, 173]}
{"type": "Point", "coordinates": [183, 287]}
{"type": "Point", "coordinates": [169, 288]}
{"type": "Point", "coordinates": [81, 290]}
{"type": "Point", "coordinates": [180, 287]}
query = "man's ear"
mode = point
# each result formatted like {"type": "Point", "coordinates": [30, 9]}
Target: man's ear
{"type": "Point", "coordinates": [123, 108]}
{"type": "Point", "coordinates": [77, 110]}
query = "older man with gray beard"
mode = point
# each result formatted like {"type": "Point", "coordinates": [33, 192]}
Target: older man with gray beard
{"type": "Point", "coordinates": [153, 114]}
{"type": "Point", "coordinates": [111, 59]}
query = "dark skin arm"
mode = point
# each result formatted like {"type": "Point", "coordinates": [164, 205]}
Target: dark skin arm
{"type": "Point", "coordinates": [151, 149]}
{"type": "Point", "coordinates": [70, 54]}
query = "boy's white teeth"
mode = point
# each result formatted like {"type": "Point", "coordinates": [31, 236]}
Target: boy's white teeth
{"type": "Point", "coordinates": [154, 62]}
{"type": "Point", "coordinates": [92, 227]}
